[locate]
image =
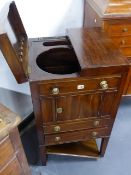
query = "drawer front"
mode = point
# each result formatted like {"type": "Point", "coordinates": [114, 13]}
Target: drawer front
{"type": "Point", "coordinates": [13, 168]}
{"type": "Point", "coordinates": [119, 29]}
{"type": "Point", "coordinates": [6, 151]}
{"type": "Point", "coordinates": [126, 51]}
{"type": "Point", "coordinates": [76, 136]}
{"type": "Point", "coordinates": [79, 125]}
{"type": "Point", "coordinates": [122, 41]}
{"type": "Point", "coordinates": [77, 86]}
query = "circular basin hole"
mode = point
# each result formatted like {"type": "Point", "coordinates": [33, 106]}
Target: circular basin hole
{"type": "Point", "coordinates": [58, 61]}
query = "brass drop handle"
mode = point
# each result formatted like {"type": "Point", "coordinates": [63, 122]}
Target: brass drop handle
{"type": "Point", "coordinates": [57, 139]}
{"type": "Point", "coordinates": [94, 134]}
{"type": "Point", "coordinates": [57, 128]}
{"type": "Point", "coordinates": [125, 29]}
{"type": "Point", "coordinates": [96, 123]}
{"type": "Point", "coordinates": [55, 91]}
{"type": "Point", "coordinates": [104, 85]}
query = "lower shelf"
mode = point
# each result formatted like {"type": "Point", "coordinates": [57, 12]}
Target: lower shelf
{"type": "Point", "coordinates": [86, 149]}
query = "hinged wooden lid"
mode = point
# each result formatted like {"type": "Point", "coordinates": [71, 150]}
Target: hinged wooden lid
{"type": "Point", "coordinates": [14, 42]}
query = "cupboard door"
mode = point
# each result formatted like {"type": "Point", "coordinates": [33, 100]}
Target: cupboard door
{"type": "Point", "coordinates": [78, 106]}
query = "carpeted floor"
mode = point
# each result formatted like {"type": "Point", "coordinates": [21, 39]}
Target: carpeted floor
{"type": "Point", "coordinates": [117, 160]}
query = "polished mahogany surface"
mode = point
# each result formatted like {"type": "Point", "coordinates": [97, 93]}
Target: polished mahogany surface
{"type": "Point", "coordinates": [12, 156]}
{"type": "Point", "coordinates": [114, 18]}
{"type": "Point", "coordinates": [76, 84]}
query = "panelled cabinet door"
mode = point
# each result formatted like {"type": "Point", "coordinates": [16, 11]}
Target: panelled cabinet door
{"type": "Point", "coordinates": [87, 105]}
{"type": "Point", "coordinates": [77, 106]}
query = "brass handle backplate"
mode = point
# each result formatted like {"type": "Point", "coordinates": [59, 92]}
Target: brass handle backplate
{"type": "Point", "coordinates": [55, 91]}
{"type": "Point", "coordinates": [94, 134]}
{"type": "Point", "coordinates": [125, 29]}
{"type": "Point", "coordinates": [104, 85]}
{"type": "Point", "coordinates": [57, 128]}
{"type": "Point", "coordinates": [57, 139]}
{"type": "Point", "coordinates": [59, 110]}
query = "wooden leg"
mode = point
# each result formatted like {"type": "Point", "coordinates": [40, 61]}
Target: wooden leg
{"type": "Point", "coordinates": [103, 147]}
{"type": "Point", "coordinates": [43, 155]}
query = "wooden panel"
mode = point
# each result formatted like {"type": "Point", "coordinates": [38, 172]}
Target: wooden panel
{"type": "Point", "coordinates": [94, 49]}
{"type": "Point", "coordinates": [78, 125]}
{"type": "Point", "coordinates": [72, 86]}
{"type": "Point", "coordinates": [108, 100]}
{"type": "Point", "coordinates": [48, 109]}
{"type": "Point", "coordinates": [78, 106]}
{"type": "Point", "coordinates": [12, 168]}
{"type": "Point", "coordinates": [16, 54]}
{"type": "Point", "coordinates": [76, 136]}
{"type": "Point", "coordinates": [19, 151]}
{"type": "Point", "coordinates": [87, 149]}
{"type": "Point", "coordinates": [10, 54]}
{"type": "Point", "coordinates": [6, 151]}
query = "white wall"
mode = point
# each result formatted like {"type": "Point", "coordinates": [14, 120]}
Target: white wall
{"type": "Point", "coordinates": [42, 18]}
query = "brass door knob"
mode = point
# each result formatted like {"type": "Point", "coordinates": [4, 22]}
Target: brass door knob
{"type": "Point", "coordinates": [94, 134]}
{"type": "Point", "coordinates": [104, 85]}
{"type": "Point", "coordinates": [96, 123]}
{"type": "Point", "coordinates": [57, 128]}
{"type": "Point", "coordinates": [59, 110]}
{"type": "Point", "coordinates": [125, 29]}
{"type": "Point", "coordinates": [55, 91]}
{"type": "Point", "coordinates": [57, 139]}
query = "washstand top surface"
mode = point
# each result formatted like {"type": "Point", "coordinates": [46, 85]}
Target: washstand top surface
{"type": "Point", "coordinates": [92, 48]}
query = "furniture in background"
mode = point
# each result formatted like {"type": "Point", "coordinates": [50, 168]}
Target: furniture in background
{"type": "Point", "coordinates": [76, 85]}
{"type": "Point", "coordinates": [19, 103]}
{"type": "Point", "coordinates": [12, 157]}
{"type": "Point", "coordinates": [115, 19]}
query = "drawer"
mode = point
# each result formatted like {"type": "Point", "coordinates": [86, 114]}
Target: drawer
{"type": "Point", "coordinates": [76, 136]}
{"type": "Point", "coordinates": [6, 151]}
{"type": "Point", "coordinates": [79, 125]}
{"type": "Point", "coordinates": [13, 168]}
{"type": "Point", "coordinates": [122, 41]}
{"type": "Point", "coordinates": [126, 51]}
{"type": "Point", "coordinates": [76, 86]}
{"type": "Point", "coordinates": [119, 29]}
